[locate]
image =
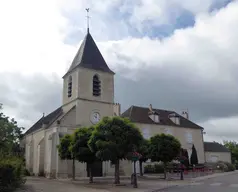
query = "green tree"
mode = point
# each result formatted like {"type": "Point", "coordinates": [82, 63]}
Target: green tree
{"type": "Point", "coordinates": [164, 148]}
{"type": "Point", "coordinates": [185, 157]}
{"type": "Point", "coordinates": [81, 150]}
{"type": "Point", "coordinates": [143, 149]}
{"type": "Point", "coordinates": [10, 134]}
{"type": "Point", "coordinates": [233, 147]}
{"type": "Point", "coordinates": [65, 151]}
{"type": "Point", "coordinates": [113, 139]}
{"type": "Point", "coordinates": [194, 157]}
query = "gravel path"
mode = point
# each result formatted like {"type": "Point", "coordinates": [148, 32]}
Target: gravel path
{"type": "Point", "coordinates": [46, 185]}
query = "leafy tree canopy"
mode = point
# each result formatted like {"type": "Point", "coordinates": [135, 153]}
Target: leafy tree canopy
{"type": "Point", "coordinates": [114, 137]}
{"type": "Point", "coordinates": [64, 148]}
{"type": "Point", "coordinates": [80, 147]}
{"type": "Point", "coordinates": [10, 133]}
{"type": "Point", "coordinates": [233, 147]}
{"type": "Point", "coordinates": [143, 149]}
{"type": "Point", "coordinates": [164, 148]}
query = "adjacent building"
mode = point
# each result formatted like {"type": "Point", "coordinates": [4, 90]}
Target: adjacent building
{"type": "Point", "coordinates": [215, 152]}
{"type": "Point", "coordinates": [154, 121]}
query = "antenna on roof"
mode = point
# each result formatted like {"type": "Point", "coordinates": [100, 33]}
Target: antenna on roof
{"type": "Point", "coordinates": [87, 9]}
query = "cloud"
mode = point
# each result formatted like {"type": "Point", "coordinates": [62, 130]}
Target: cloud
{"type": "Point", "coordinates": [194, 67]}
{"type": "Point", "coordinates": [27, 97]}
{"type": "Point", "coordinates": [221, 129]}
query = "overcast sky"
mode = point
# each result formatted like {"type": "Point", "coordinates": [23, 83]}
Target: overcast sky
{"type": "Point", "coordinates": [173, 54]}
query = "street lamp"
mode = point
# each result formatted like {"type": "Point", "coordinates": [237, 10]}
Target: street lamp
{"type": "Point", "coordinates": [135, 157]}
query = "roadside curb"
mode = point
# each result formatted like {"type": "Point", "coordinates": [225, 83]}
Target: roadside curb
{"type": "Point", "coordinates": [212, 176]}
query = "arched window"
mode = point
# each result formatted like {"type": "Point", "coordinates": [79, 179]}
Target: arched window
{"type": "Point", "coordinates": [96, 86]}
{"type": "Point", "coordinates": [70, 86]}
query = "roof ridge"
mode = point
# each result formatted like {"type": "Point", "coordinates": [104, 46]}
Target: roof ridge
{"type": "Point", "coordinates": [39, 123]}
{"type": "Point", "coordinates": [139, 114]}
{"type": "Point", "coordinates": [154, 108]}
{"type": "Point", "coordinates": [39, 120]}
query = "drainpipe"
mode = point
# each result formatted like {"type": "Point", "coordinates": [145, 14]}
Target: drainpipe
{"type": "Point", "coordinates": [56, 152]}
{"type": "Point", "coordinates": [203, 133]}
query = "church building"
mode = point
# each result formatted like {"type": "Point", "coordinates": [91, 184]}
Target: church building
{"type": "Point", "coordinates": [88, 95]}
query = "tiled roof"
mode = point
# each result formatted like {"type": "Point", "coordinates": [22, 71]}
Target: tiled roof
{"type": "Point", "coordinates": [47, 120]}
{"type": "Point", "coordinates": [214, 147]}
{"type": "Point", "coordinates": [140, 115]}
{"type": "Point", "coordinates": [89, 56]}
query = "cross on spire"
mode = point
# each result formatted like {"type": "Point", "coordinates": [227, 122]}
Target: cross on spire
{"type": "Point", "coordinates": [87, 9]}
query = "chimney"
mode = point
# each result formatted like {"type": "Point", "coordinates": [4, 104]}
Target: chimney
{"type": "Point", "coordinates": [117, 109]}
{"type": "Point", "coordinates": [150, 108]}
{"type": "Point", "coordinates": [185, 114]}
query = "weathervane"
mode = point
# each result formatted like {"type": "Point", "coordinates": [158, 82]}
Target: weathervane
{"type": "Point", "coordinates": [87, 9]}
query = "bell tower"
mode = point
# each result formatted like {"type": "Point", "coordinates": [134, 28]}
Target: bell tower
{"type": "Point", "coordinates": [89, 84]}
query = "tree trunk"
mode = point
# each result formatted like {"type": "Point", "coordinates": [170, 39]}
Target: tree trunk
{"type": "Point", "coordinates": [165, 175]}
{"type": "Point", "coordinates": [135, 176]}
{"type": "Point", "coordinates": [73, 169]}
{"type": "Point", "coordinates": [141, 171]}
{"type": "Point", "coordinates": [117, 176]}
{"type": "Point", "coordinates": [90, 173]}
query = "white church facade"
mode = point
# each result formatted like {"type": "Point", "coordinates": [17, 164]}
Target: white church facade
{"type": "Point", "coordinates": [88, 95]}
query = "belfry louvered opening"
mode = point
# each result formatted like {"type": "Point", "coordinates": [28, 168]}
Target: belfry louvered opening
{"type": "Point", "coordinates": [96, 86]}
{"type": "Point", "coordinates": [70, 86]}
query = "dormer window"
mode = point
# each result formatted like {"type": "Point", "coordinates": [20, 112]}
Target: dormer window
{"type": "Point", "coordinates": [175, 118]}
{"type": "Point", "coordinates": [70, 86]}
{"type": "Point", "coordinates": [96, 86]}
{"type": "Point", "coordinates": [154, 116]}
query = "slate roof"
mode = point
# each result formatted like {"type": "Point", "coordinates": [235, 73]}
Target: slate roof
{"type": "Point", "coordinates": [50, 118]}
{"type": "Point", "coordinates": [140, 115]}
{"type": "Point", "coordinates": [214, 147]}
{"type": "Point", "coordinates": [89, 56]}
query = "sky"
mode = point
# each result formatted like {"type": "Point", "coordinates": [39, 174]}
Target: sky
{"type": "Point", "coordinates": [174, 54]}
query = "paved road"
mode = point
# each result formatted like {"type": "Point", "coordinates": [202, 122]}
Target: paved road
{"type": "Point", "coordinates": [227, 183]}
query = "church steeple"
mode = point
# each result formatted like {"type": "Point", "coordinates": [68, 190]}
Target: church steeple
{"type": "Point", "coordinates": [89, 56]}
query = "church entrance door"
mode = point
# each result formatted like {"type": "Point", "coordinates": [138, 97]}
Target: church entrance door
{"type": "Point", "coordinates": [96, 169]}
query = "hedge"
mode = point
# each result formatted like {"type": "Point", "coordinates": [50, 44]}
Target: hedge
{"type": "Point", "coordinates": [11, 173]}
{"type": "Point", "coordinates": [222, 166]}
{"type": "Point", "coordinates": [159, 168]}
{"type": "Point", "coordinates": [156, 168]}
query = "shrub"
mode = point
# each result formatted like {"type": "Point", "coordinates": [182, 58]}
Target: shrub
{"type": "Point", "coordinates": [11, 173]}
{"type": "Point", "coordinates": [223, 166]}
{"type": "Point", "coordinates": [27, 172]}
{"type": "Point", "coordinates": [230, 166]}
{"type": "Point", "coordinates": [156, 168]}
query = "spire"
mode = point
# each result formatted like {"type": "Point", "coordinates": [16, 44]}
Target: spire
{"type": "Point", "coordinates": [87, 9]}
{"type": "Point", "coordinates": [89, 56]}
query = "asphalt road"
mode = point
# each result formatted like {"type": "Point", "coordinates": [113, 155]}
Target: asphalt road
{"type": "Point", "coordinates": [227, 183]}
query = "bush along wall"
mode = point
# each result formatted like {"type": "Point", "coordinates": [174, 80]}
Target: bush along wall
{"type": "Point", "coordinates": [12, 173]}
{"type": "Point", "coordinates": [222, 166]}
